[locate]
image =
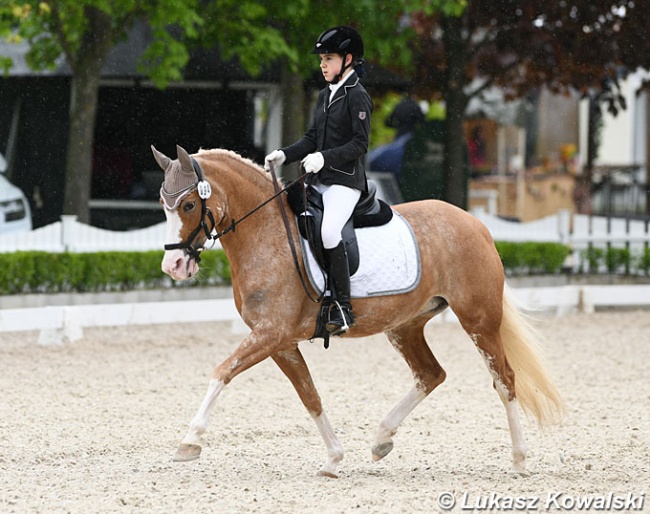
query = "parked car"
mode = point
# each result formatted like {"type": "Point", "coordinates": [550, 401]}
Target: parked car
{"type": "Point", "coordinates": [15, 214]}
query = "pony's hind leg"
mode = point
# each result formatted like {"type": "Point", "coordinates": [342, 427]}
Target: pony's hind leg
{"type": "Point", "coordinates": [293, 365]}
{"type": "Point", "coordinates": [409, 341]}
{"type": "Point", "coordinates": [504, 384]}
{"type": "Point", "coordinates": [487, 338]}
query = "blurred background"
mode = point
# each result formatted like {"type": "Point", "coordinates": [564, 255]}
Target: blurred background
{"type": "Point", "coordinates": [516, 108]}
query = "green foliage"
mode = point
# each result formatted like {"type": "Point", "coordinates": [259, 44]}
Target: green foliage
{"type": "Point", "coordinates": [615, 260]}
{"type": "Point", "coordinates": [215, 268]}
{"type": "Point", "coordinates": [452, 8]}
{"type": "Point", "coordinates": [64, 27]}
{"type": "Point", "coordinates": [642, 261]}
{"type": "Point", "coordinates": [380, 134]}
{"type": "Point", "coordinates": [42, 272]}
{"type": "Point", "coordinates": [532, 257]}
{"type": "Point", "coordinates": [241, 29]}
{"type": "Point", "coordinates": [594, 257]}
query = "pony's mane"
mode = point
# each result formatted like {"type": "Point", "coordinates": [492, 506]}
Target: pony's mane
{"type": "Point", "coordinates": [222, 153]}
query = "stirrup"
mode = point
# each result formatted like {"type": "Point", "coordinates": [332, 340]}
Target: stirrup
{"type": "Point", "coordinates": [338, 325]}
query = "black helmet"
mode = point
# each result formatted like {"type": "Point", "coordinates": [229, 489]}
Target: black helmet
{"type": "Point", "coordinates": [339, 40]}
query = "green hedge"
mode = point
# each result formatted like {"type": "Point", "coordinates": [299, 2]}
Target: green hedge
{"type": "Point", "coordinates": [616, 260]}
{"type": "Point", "coordinates": [532, 258]}
{"type": "Point", "coordinates": [42, 272]}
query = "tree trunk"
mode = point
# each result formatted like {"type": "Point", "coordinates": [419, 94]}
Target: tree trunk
{"type": "Point", "coordinates": [78, 173]}
{"type": "Point", "coordinates": [86, 73]}
{"type": "Point", "coordinates": [293, 124]}
{"type": "Point", "coordinates": [454, 163]}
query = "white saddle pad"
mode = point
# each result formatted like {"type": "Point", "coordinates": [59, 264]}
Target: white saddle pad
{"type": "Point", "coordinates": [389, 261]}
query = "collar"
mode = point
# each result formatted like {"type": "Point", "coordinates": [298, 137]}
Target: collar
{"type": "Point", "coordinates": [335, 87]}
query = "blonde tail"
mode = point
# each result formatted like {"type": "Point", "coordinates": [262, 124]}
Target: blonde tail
{"type": "Point", "coordinates": [534, 388]}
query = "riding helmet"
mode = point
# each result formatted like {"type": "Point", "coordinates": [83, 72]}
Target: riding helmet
{"type": "Point", "coordinates": [339, 40]}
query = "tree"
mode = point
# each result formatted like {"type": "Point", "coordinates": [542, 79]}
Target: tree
{"type": "Point", "coordinates": [84, 31]}
{"type": "Point", "coordinates": [519, 46]}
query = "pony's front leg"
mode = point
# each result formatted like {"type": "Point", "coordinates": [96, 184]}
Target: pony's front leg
{"type": "Point", "coordinates": [190, 447]}
{"type": "Point", "coordinates": [293, 365]}
{"type": "Point", "coordinates": [256, 347]}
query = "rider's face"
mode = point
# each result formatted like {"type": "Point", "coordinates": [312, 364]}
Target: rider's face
{"type": "Point", "coordinates": [330, 65]}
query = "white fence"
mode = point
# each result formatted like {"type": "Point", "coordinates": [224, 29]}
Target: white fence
{"type": "Point", "coordinates": [69, 235]}
{"type": "Point", "coordinates": [62, 324]}
{"type": "Point", "coordinates": [578, 231]}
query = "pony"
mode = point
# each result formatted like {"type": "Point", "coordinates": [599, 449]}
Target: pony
{"type": "Point", "coordinates": [217, 193]}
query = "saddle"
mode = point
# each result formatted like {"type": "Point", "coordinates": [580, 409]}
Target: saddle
{"type": "Point", "coordinates": [307, 205]}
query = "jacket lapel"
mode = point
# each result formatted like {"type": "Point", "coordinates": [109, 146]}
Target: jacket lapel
{"type": "Point", "coordinates": [352, 81]}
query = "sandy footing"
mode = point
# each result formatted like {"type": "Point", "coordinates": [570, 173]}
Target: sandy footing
{"type": "Point", "coordinates": [92, 426]}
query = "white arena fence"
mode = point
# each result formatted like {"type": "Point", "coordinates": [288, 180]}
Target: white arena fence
{"type": "Point", "coordinates": [578, 231]}
{"type": "Point", "coordinates": [69, 235]}
{"type": "Point", "coordinates": [63, 324]}
{"type": "Point", "coordinates": [575, 230]}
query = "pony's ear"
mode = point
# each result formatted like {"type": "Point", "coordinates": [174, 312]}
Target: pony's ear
{"type": "Point", "coordinates": [184, 158]}
{"type": "Point", "coordinates": [162, 160]}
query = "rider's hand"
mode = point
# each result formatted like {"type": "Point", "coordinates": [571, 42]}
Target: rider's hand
{"type": "Point", "coordinates": [276, 158]}
{"type": "Point", "coordinates": [313, 163]}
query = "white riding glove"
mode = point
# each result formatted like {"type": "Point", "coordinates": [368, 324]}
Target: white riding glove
{"type": "Point", "coordinates": [314, 162]}
{"type": "Point", "coordinates": [276, 158]}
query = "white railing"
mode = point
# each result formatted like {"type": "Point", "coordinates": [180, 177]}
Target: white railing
{"type": "Point", "coordinates": [554, 229]}
{"type": "Point", "coordinates": [69, 235]}
{"type": "Point", "coordinates": [577, 230]}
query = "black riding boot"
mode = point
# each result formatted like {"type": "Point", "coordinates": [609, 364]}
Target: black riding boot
{"type": "Point", "coordinates": [340, 314]}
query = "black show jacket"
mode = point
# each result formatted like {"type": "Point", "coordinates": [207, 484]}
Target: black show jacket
{"type": "Point", "coordinates": [340, 130]}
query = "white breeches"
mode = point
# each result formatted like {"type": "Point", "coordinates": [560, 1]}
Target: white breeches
{"type": "Point", "coordinates": [338, 203]}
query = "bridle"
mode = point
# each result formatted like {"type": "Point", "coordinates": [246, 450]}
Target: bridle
{"type": "Point", "coordinates": [205, 191]}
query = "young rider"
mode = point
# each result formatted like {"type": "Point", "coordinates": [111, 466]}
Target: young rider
{"type": "Point", "coordinates": [333, 151]}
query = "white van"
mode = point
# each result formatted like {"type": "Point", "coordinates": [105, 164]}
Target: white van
{"type": "Point", "coordinates": [15, 214]}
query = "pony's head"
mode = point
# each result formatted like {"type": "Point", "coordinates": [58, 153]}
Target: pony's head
{"type": "Point", "coordinates": [185, 195]}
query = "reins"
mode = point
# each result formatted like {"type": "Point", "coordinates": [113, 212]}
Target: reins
{"type": "Point", "coordinates": [292, 244]}
{"type": "Point", "coordinates": [205, 191]}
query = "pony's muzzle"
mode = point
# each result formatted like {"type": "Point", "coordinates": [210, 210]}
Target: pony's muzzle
{"type": "Point", "coordinates": [179, 265]}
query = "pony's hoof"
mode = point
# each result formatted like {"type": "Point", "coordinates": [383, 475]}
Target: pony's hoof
{"type": "Point", "coordinates": [327, 474]}
{"type": "Point", "coordinates": [187, 452]}
{"type": "Point", "coordinates": [520, 473]}
{"type": "Point", "coordinates": [381, 450]}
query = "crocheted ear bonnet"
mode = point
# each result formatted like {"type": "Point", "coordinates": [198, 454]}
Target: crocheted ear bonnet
{"type": "Point", "coordinates": [180, 177]}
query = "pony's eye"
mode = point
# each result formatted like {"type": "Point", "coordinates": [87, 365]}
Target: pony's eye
{"type": "Point", "coordinates": [189, 206]}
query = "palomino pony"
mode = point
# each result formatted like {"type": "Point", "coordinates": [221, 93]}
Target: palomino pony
{"type": "Point", "coordinates": [214, 190]}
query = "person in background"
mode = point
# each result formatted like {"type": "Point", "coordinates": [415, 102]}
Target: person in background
{"type": "Point", "coordinates": [406, 117]}
{"type": "Point", "coordinates": [476, 149]}
{"type": "Point", "coordinates": [332, 151]}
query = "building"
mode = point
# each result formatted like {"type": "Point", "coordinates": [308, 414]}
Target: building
{"type": "Point", "coordinates": [214, 106]}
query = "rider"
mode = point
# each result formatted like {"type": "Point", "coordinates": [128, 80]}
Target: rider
{"type": "Point", "coordinates": [333, 150]}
